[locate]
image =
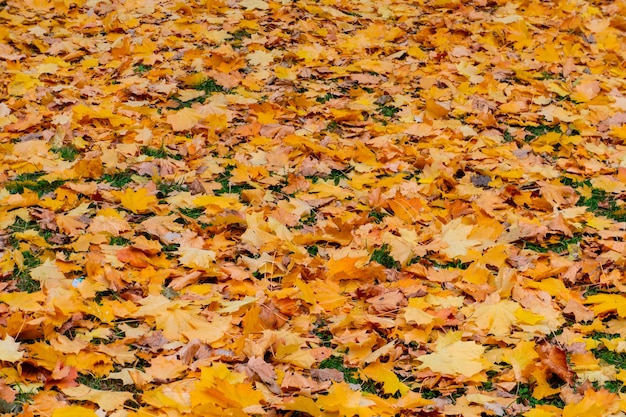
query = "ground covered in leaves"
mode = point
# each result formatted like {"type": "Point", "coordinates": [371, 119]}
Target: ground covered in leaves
{"type": "Point", "coordinates": [315, 208]}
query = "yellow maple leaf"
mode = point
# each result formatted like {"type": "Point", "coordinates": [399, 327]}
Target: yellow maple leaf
{"type": "Point", "coordinates": [451, 356]}
{"type": "Point", "coordinates": [22, 83]}
{"type": "Point", "coordinates": [521, 357]}
{"type": "Point", "coordinates": [543, 411]}
{"type": "Point", "coordinates": [469, 71]}
{"type": "Point", "coordinates": [603, 303]}
{"type": "Point", "coordinates": [303, 404]}
{"type": "Point", "coordinates": [176, 322]}
{"type": "Point", "coordinates": [495, 317]}
{"type": "Point", "coordinates": [414, 312]}
{"type": "Point", "coordinates": [106, 400]}
{"type": "Point", "coordinates": [594, 403]}
{"type": "Point", "coordinates": [197, 258]}
{"type": "Point", "coordinates": [346, 401]}
{"type": "Point", "coordinates": [380, 372]}
{"type": "Point", "coordinates": [74, 411]}
{"type": "Point", "coordinates": [261, 57]}
{"type": "Point", "coordinates": [255, 4]}
{"type": "Point", "coordinates": [285, 73]}
{"type": "Point", "coordinates": [220, 387]}
{"type": "Point", "coordinates": [99, 112]}
{"type": "Point", "coordinates": [9, 350]}
{"type": "Point", "coordinates": [542, 388]}
{"type": "Point", "coordinates": [136, 201]}
{"type": "Point", "coordinates": [184, 119]}
{"type": "Point", "coordinates": [455, 234]}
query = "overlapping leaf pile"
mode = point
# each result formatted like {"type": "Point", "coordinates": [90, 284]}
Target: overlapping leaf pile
{"type": "Point", "coordinates": [315, 207]}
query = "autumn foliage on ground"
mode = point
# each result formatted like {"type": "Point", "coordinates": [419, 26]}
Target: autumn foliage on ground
{"type": "Point", "coordinates": [258, 207]}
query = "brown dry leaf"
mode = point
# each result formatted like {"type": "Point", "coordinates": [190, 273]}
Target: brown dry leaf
{"type": "Point", "coordinates": [555, 359]}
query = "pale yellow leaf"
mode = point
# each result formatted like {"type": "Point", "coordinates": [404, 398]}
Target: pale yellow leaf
{"type": "Point", "coordinates": [9, 350]}
{"type": "Point", "coordinates": [451, 356]}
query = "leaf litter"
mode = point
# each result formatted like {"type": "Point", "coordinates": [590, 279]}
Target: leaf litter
{"type": "Point", "coordinates": [312, 208]}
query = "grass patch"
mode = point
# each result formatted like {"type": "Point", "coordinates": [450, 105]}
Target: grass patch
{"type": "Point", "coordinates": [23, 280]}
{"type": "Point", "coordinates": [13, 408]}
{"type": "Point", "coordinates": [525, 396]}
{"type": "Point", "coordinates": [238, 37]}
{"type": "Point", "coordinates": [170, 250]}
{"type": "Point", "coordinates": [167, 187]}
{"type": "Point", "coordinates": [173, 247]}
{"type": "Point", "coordinates": [430, 394]}
{"type": "Point", "coordinates": [332, 126]}
{"type": "Point", "coordinates": [327, 97]}
{"type": "Point", "coordinates": [322, 332]}
{"type": "Point", "coordinates": [160, 153]}
{"type": "Point", "coordinates": [336, 362]}
{"type": "Point", "coordinates": [600, 202]}
{"type": "Point", "coordinates": [141, 68]}
{"type": "Point", "coordinates": [612, 358]}
{"type": "Point", "coordinates": [335, 176]}
{"type": "Point", "coordinates": [309, 220]}
{"type": "Point", "coordinates": [32, 182]}
{"type": "Point", "coordinates": [103, 384]}
{"type": "Point", "coordinates": [453, 264]}
{"type": "Point", "coordinates": [209, 86]}
{"type": "Point", "coordinates": [602, 335]}
{"type": "Point", "coordinates": [388, 111]}
{"type": "Point", "coordinates": [559, 247]}
{"type": "Point", "coordinates": [487, 386]}
{"type": "Point", "coordinates": [224, 180]}
{"type": "Point", "coordinates": [377, 216]}
{"type": "Point", "coordinates": [108, 294]}
{"type": "Point", "coordinates": [17, 405]}
{"type": "Point", "coordinates": [613, 386]}
{"type": "Point", "coordinates": [312, 250]}
{"type": "Point", "coordinates": [119, 241]}
{"type": "Point", "coordinates": [194, 213]}
{"type": "Point", "coordinates": [21, 225]}
{"type": "Point", "coordinates": [29, 176]}
{"type": "Point", "coordinates": [382, 256]}
{"type": "Point", "coordinates": [66, 152]}
{"type": "Point", "coordinates": [534, 132]}
{"type": "Point", "coordinates": [119, 179]}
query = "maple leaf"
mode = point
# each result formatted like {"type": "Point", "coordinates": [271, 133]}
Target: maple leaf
{"type": "Point", "coordinates": [494, 315]}
{"type": "Point", "coordinates": [455, 235]}
{"type": "Point", "coordinates": [555, 359]}
{"type": "Point", "coordinates": [106, 400]}
{"type": "Point", "coordinates": [138, 201]}
{"type": "Point", "coordinates": [382, 373]}
{"type": "Point", "coordinates": [602, 303]}
{"type": "Point", "coordinates": [451, 356]}
{"type": "Point", "coordinates": [346, 402]}
{"type": "Point", "coordinates": [9, 350]}
{"type": "Point", "coordinates": [260, 57]}
{"type": "Point", "coordinates": [219, 387]}
{"type": "Point", "coordinates": [521, 357]}
{"type": "Point", "coordinates": [184, 119]}
{"type": "Point", "coordinates": [197, 258]}
{"type": "Point", "coordinates": [594, 403]}
{"type": "Point", "coordinates": [74, 411]}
